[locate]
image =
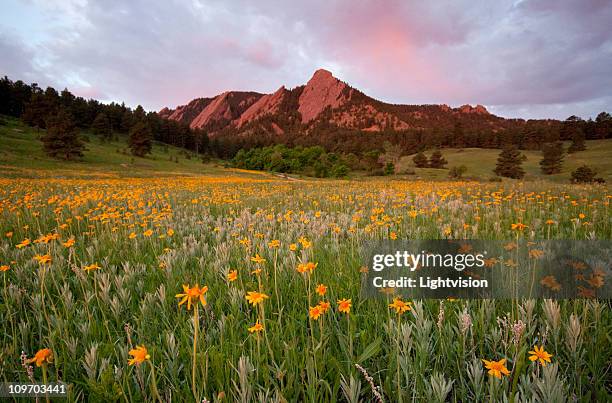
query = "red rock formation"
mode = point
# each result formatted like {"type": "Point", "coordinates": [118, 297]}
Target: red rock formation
{"type": "Point", "coordinates": [224, 107]}
{"type": "Point", "coordinates": [350, 109]}
{"type": "Point", "coordinates": [268, 104]}
{"type": "Point", "coordinates": [481, 109]}
{"type": "Point", "coordinates": [478, 109]}
{"type": "Point", "coordinates": [321, 91]}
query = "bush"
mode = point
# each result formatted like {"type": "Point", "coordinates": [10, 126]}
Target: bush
{"type": "Point", "coordinates": [339, 170]}
{"type": "Point", "coordinates": [389, 168]}
{"type": "Point", "coordinates": [456, 172]}
{"type": "Point", "coordinates": [280, 158]}
{"type": "Point", "coordinates": [585, 174]}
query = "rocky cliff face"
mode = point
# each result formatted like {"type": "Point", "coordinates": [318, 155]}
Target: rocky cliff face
{"type": "Point", "coordinates": [266, 105]}
{"type": "Point", "coordinates": [324, 100]}
{"type": "Point", "coordinates": [322, 90]}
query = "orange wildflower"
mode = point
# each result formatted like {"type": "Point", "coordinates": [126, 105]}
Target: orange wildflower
{"type": "Point", "coordinates": [315, 312]}
{"type": "Point", "coordinates": [69, 243]}
{"type": "Point", "coordinates": [44, 356]}
{"type": "Point", "coordinates": [400, 306]}
{"type": "Point", "coordinates": [497, 368]}
{"type": "Point", "coordinates": [139, 354]}
{"type": "Point", "coordinates": [255, 297]}
{"type": "Point", "coordinates": [258, 259]}
{"type": "Point", "coordinates": [538, 354]}
{"type": "Point", "coordinates": [324, 306]}
{"type": "Point", "coordinates": [344, 305]}
{"type": "Point", "coordinates": [43, 259]}
{"type": "Point", "coordinates": [191, 295]}
{"type": "Point", "coordinates": [92, 267]}
{"type": "Point", "coordinates": [256, 328]}
{"type": "Point", "coordinates": [23, 243]}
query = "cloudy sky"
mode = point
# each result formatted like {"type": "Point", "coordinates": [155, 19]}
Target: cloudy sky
{"type": "Point", "coordinates": [530, 59]}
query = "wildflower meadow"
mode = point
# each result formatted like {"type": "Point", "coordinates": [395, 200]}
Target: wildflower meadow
{"type": "Point", "coordinates": [237, 288]}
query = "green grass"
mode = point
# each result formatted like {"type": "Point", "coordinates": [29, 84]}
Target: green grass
{"type": "Point", "coordinates": [22, 155]}
{"type": "Point", "coordinates": [481, 162]}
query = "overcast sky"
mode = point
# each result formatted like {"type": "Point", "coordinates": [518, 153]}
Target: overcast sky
{"type": "Point", "coordinates": [530, 59]}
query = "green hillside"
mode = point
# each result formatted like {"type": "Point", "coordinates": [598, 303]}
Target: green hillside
{"type": "Point", "coordinates": [481, 162]}
{"type": "Point", "coordinates": [21, 155]}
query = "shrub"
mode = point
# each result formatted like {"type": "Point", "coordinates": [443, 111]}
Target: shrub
{"type": "Point", "coordinates": [389, 168]}
{"type": "Point", "coordinates": [585, 174]}
{"type": "Point", "coordinates": [339, 170]}
{"type": "Point", "coordinates": [456, 172]}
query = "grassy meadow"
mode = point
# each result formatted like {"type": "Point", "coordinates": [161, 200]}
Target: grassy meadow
{"type": "Point", "coordinates": [480, 162]}
{"type": "Point", "coordinates": [164, 281]}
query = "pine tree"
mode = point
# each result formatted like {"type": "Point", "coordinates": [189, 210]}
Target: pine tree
{"type": "Point", "coordinates": [62, 137]}
{"type": "Point", "coordinates": [603, 125]}
{"type": "Point", "coordinates": [37, 111]}
{"type": "Point", "coordinates": [577, 141]}
{"type": "Point", "coordinates": [458, 136]}
{"type": "Point", "coordinates": [509, 163]}
{"type": "Point", "coordinates": [552, 158]}
{"type": "Point", "coordinates": [437, 160]}
{"type": "Point", "coordinates": [127, 121]}
{"type": "Point", "coordinates": [140, 139]}
{"type": "Point", "coordinates": [420, 160]}
{"type": "Point", "coordinates": [101, 126]}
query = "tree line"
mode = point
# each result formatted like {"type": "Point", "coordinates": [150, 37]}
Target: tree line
{"type": "Point", "coordinates": [63, 115]}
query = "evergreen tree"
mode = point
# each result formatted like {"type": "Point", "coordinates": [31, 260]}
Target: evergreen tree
{"type": "Point", "coordinates": [37, 111]}
{"type": "Point", "coordinates": [101, 126]}
{"type": "Point", "coordinates": [569, 127]}
{"type": "Point", "coordinates": [552, 158]}
{"type": "Point", "coordinates": [437, 160]}
{"type": "Point", "coordinates": [139, 113]}
{"type": "Point", "coordinates": [458, 136]}
{"type": "Point", "coordinates": [200, 140]}
{"type": "Point", "coordinates": [62, 137]}
{"type": "Point", "coordinates": [509, 163]}
{"type": "Point", "coordinates": [127, 121]}
{"type": "Point", "coordinates": [420, 160]}
{"type": "Point", "coordinates": [603, 126]}
{"type": "Point", "coordinates": [577, 141]}
{"type": "Point", "coordinates": [140, 139]}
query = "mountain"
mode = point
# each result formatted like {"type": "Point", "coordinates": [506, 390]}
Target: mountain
{"type": "Point", "coordinates": [221, 110]}
{"type": "Point", "coordinates": [332, 109]}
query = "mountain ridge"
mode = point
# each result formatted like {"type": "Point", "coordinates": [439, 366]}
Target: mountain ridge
{"type": "Point", "coordinates": [326, 101]}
